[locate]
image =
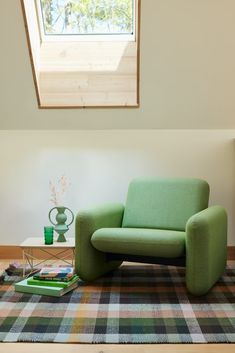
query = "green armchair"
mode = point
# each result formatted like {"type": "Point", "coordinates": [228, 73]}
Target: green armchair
{"type": "Point", "coordinates": [165, 221]}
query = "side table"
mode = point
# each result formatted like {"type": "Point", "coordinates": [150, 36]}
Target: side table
{"type": "Point", "coordinates": [57, 251]}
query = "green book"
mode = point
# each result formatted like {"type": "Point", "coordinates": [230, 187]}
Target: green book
{"type": "Point", "coordinates": [38, 282]}
{"type": "Point", "coordinates": [24, 287]}
{"type": "Point", "coordinates": [46, 279]}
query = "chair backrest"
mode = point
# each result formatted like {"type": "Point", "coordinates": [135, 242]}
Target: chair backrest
{"type": "Point", "coordinates": [164, 203]}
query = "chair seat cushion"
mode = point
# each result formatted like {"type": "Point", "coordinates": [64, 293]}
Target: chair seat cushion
{"type": "Point", "coordinates": [140, 241]}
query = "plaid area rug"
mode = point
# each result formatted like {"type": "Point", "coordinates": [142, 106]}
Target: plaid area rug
{"type": "Point", "coordinates": [134, 304]}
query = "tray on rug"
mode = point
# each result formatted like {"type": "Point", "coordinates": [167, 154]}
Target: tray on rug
{"type": "Point", "coordinates": [134, 304]}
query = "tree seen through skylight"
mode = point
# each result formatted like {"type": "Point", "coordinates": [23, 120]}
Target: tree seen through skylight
{"type": "Point", "coordinates": [69, 17]}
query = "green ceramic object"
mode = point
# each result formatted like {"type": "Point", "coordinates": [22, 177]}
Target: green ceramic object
{"type": "Point", "coordinates": [61, 227]}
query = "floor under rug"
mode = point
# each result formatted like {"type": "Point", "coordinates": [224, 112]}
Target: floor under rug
{"type": "Point", "coordinates": [134, 304]}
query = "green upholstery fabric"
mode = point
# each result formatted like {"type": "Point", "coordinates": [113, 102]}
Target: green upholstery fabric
{"type": "Point", "coordinates": [140, 241]}
{"type": "Point", "coordinates": [164, 203]}
{"type": "Point", "coordinates": [162, 218]}
{"type": "Point", "coordinates": [206, 249]}
{"type": "Point", "coordinates": [90, 263]}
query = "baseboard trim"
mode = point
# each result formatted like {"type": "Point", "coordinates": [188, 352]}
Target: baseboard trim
{"type": "Point", "coordinates": [231, 252]}
{"type": "Point", "coordinates": [13, 252]}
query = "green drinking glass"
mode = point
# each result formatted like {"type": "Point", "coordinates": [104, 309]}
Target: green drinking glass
{"type": "Point", "coordinates": [48, 235]}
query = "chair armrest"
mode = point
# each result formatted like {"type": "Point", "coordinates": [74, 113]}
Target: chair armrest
{"type": "Point", "coordinates": [206, 248]}
{"type": "Point", "coordinates": [89, 262]}
{"type": "Point", "coordinates": [105, 216]}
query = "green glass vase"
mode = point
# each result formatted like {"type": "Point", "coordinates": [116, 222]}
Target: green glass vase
{"type": "Point", "coordinates": [60, 226]}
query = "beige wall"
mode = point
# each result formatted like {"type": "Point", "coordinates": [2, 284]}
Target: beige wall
{"type": "Point", "coordinates": [187, 82]}
{"type": "Point", "coordinates": [99, 166]}
{"type": "Point", "coordinates": [187, 72]}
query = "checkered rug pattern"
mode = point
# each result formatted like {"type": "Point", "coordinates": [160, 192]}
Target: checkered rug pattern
{"type": "Point", "coordinates": [134, 304]}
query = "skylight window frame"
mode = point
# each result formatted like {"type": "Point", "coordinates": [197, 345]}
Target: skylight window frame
{"type": "Point", "coordinates": [93, 37]}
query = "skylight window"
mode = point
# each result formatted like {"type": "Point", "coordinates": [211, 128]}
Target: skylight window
{"type": "Point", "coordinates": [87, 17]}
{"type": "Point", "coordinates": [84, 53]}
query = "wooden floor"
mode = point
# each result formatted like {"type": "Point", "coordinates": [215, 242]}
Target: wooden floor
{"type": "Point", "coordinates": [111, 348]}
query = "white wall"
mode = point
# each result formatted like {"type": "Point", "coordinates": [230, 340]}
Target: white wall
{"type": "Point", "coordinates": [99, 165]}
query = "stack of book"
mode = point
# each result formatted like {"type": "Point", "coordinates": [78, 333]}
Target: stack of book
{"type": "Point", "coordinates": [53, 281]}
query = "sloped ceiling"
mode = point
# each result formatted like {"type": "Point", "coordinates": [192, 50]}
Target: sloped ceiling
{"type": "Point", "coordinates": [187, 72]}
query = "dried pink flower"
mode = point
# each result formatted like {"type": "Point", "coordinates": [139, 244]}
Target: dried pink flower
{"type": "Point", "coordinates": [58, 190]}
